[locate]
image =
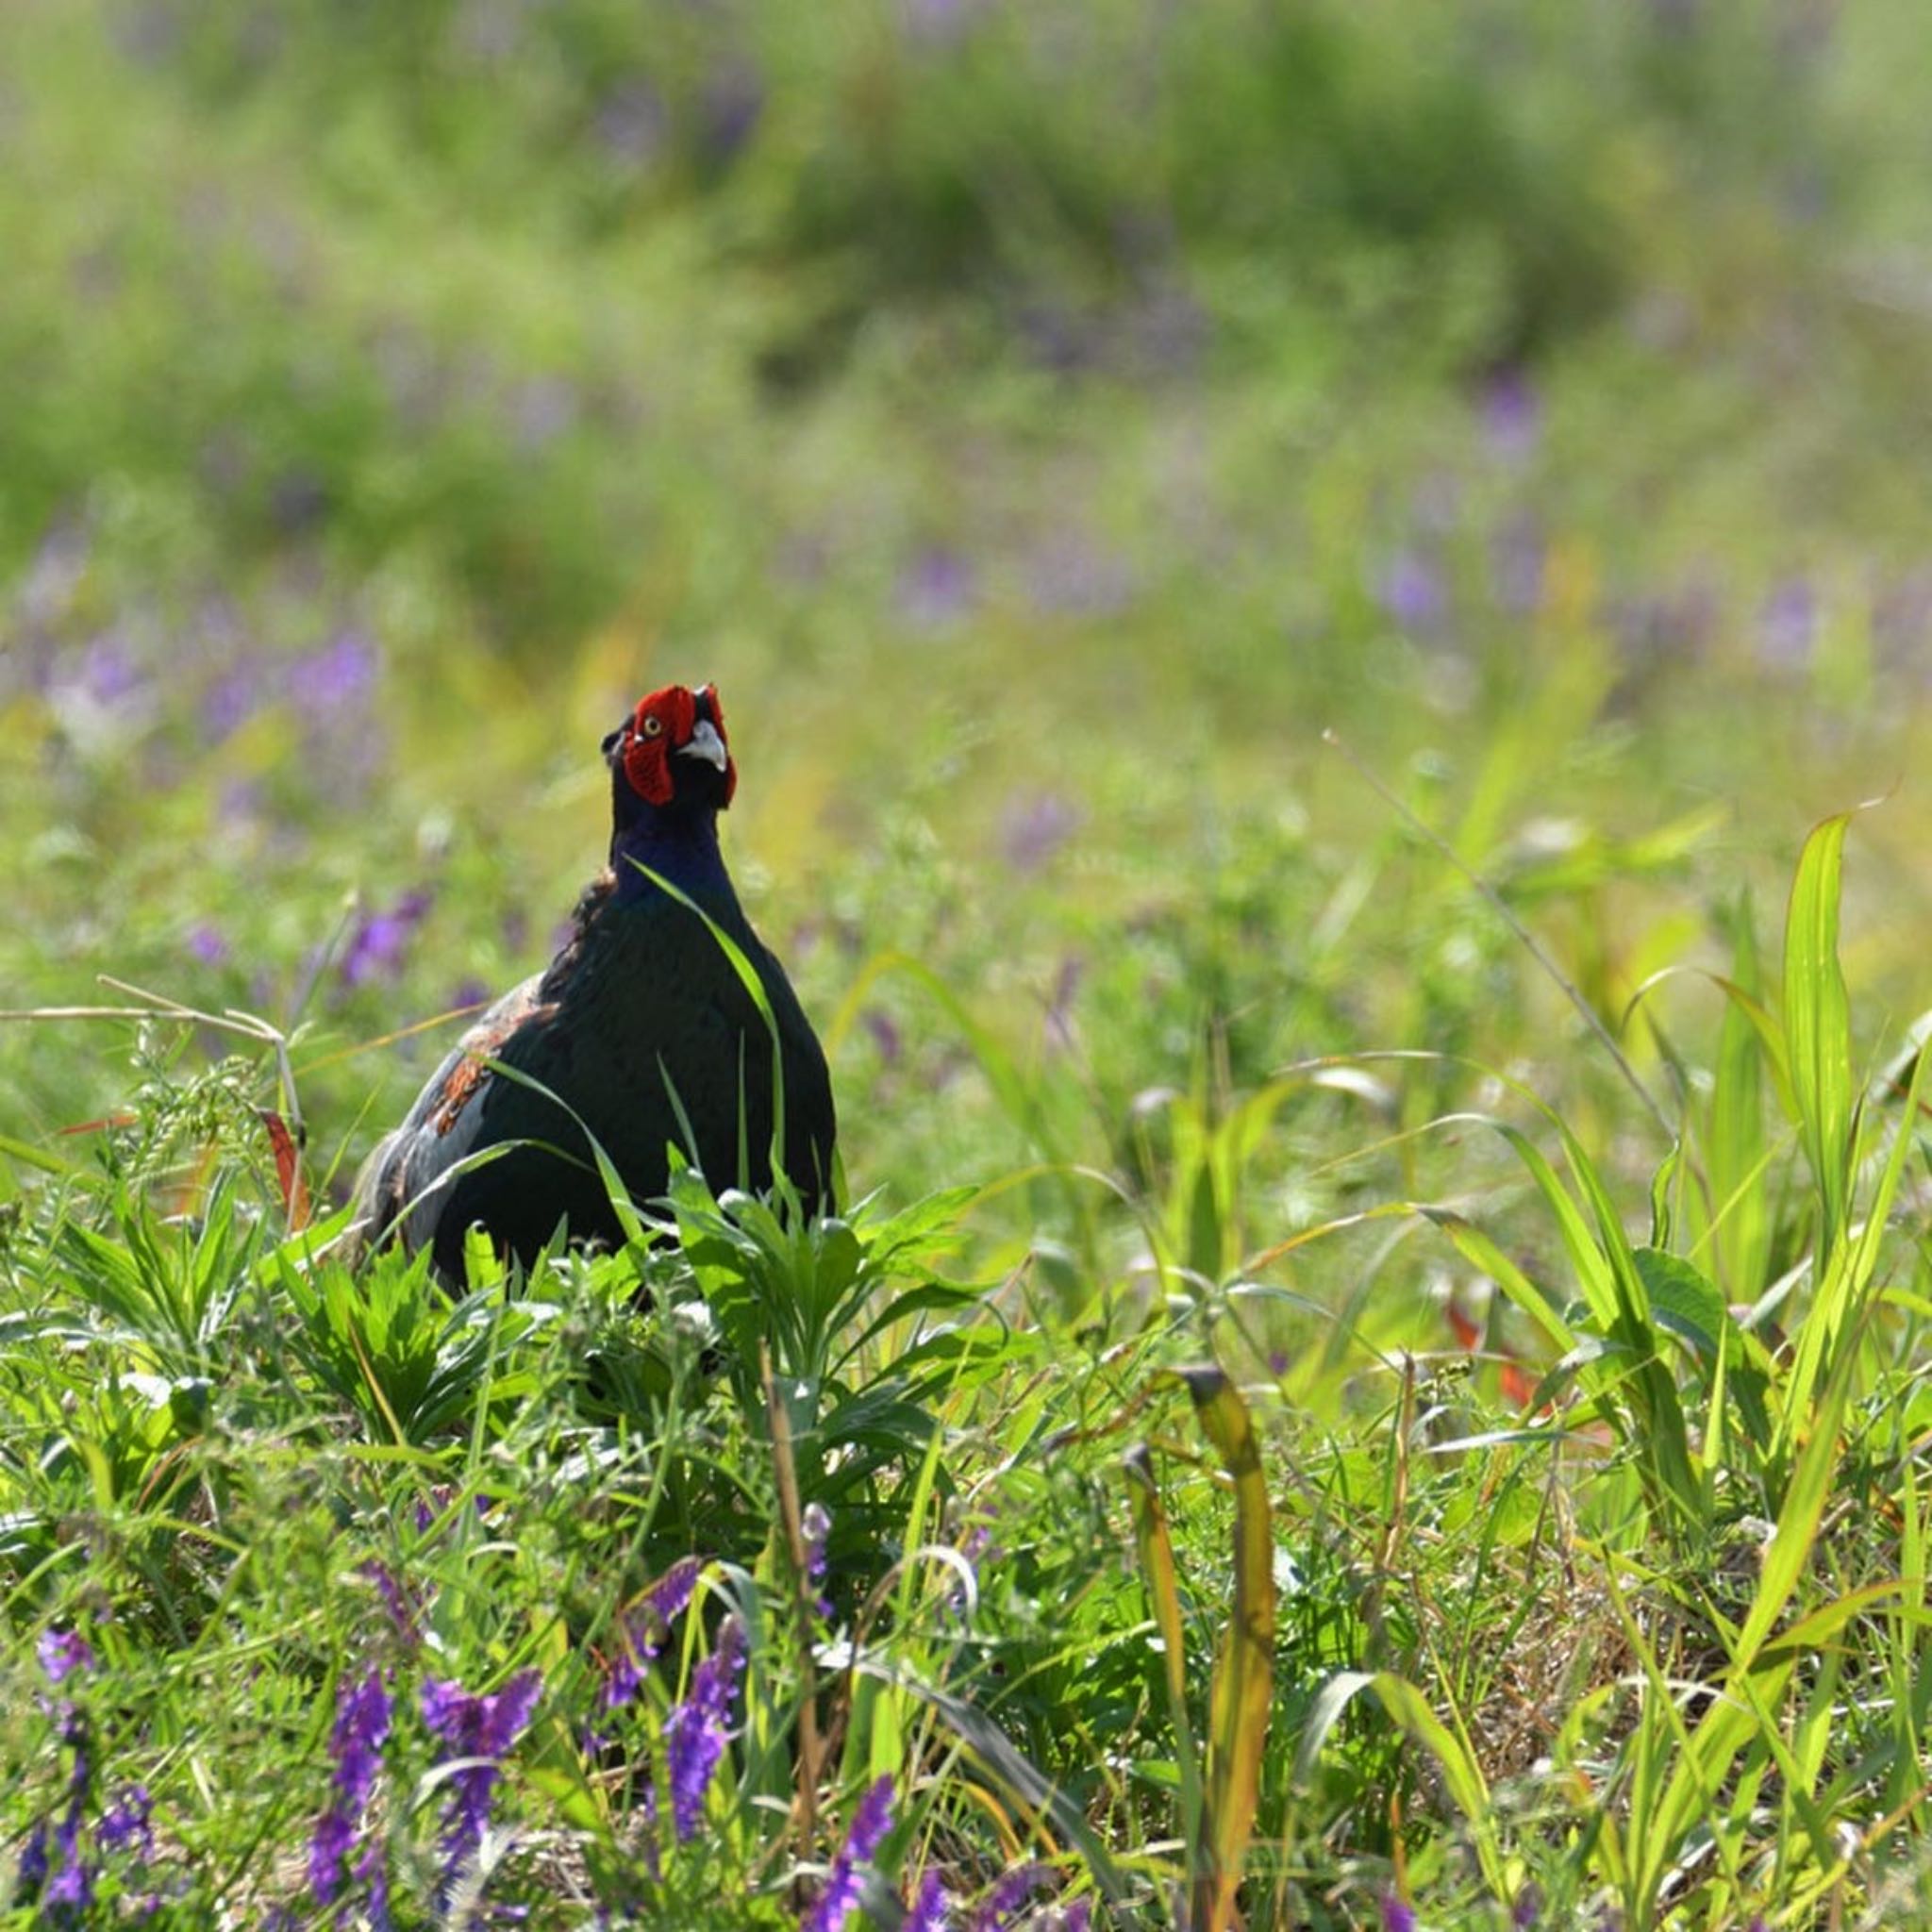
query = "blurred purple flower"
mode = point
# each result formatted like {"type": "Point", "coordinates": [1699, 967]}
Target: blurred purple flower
{"type": "Point", "coordinates": [1008, 1894]}
{"type": "Point", "coordinates": [729, 109]}
{"type": "Point", "coordinates": [540, 410]}
{"type": "Point", "coordinates": [1517, 559]}
{"type": "Point", "coordinates": [107, 671]}
{"type": "Point", "coordinates": [62, 1653]}
{"type": "Point", "coordinates": [481, 1728]}
{"type": "Point", "coordinates": [870, 1823]}
{"type": "Point", "coordinates": [356, 1738]}
{"type": "Point", "coordinates": [885, 1034]}
{"type": "Point", "coordinates": [1411, 590]}
{"type": "Point", "coordinates": [206, 943]}
{"type": "Point", "coordinates": [631, 123]}
{"type": "Point", "coordinates": [1528, 1908]}
{"type": "Point", "coordinates": [1033, 830]}
{"type": "Point", "coordinates": [1069, 576]}
{"type": "Point", "coordinates": [1398, 1915]}
{"type": "Point", "coordinates": [1512, 414]}
{"type": "Point", "coordinates": [228, 704]}
{"type": "Point", "coordinates": [941, 22]}
{"type": "Point", "coordinates": [927, 1912]}
{"type": "Point", "coordinates": [938, 587]}
{"type": "Point", "coordinates": [696, 1729]}
{"type": "Point", "coordinates": [329, 1845]}
{"type": "Point", "coordinates": [371, 1871]}
{"type": "Point", "coordinates": [32, 1869]}
{"type": "Point", "coordinates": [817, 1526]}
{"type": "Point", "coordinates": [643, 1627]}
{"type": "Point", "coordinates": [469, 992]}
{"type": "Point", "coordinates": [378, 946]}
{"type": "Point", "coordinates": [1785, 627]}
{"type": "Point", "coordinates": [396, 1599]}
{"type": "Point", "coordinates": [1078, 1916]}
{"type": "Point", "coordinates": [73, 1880]}
{"type": "Point", "coordinates": [339, 677]}
{"type": "Point", "coordinates": [127, 1825]}
{"type": "Point", "coordinates": [53, 577]}
{"type": "Point", "coordinates": [1058, 1023]}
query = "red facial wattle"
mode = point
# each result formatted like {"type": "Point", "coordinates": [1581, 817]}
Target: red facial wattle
{"type": "Point", "coordinates": [663, 728]}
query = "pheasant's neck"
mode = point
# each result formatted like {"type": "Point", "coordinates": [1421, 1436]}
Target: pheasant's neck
{"type": "Point", "coordinates": [679, 847]}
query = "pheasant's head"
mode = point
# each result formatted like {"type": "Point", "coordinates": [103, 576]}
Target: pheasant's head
{"type": "Point", "coordinates": [672, 751]}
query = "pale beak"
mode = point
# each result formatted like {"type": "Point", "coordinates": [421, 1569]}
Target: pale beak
{"type": "Point", "coordinates": [706, 743]}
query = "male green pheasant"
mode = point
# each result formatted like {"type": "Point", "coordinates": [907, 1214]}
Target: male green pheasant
{"type": "Point", "coordinates": [641, 1032]}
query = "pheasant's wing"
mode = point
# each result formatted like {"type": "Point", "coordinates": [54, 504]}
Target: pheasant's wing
{"type": "Point", "coordinates": [405, 1185]}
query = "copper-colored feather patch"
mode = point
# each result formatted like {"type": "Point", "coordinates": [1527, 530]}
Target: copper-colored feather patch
{"type": "Point", "coordinates": [480, 1045]}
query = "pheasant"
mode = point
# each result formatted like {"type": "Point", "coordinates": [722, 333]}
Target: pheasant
{"type": "Point", "coordinates": [640, 1031]}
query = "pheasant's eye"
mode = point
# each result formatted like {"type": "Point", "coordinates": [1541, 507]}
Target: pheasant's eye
{"type": "Point", "coordinates": [654, 727]}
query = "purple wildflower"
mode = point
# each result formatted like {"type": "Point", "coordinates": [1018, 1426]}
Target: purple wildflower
{"type": "Point", "coordinates": [127, 1825]}
{"type": "Point", "coordinates": [1528, 1908]}
{"type": "Point", "coordinates": [1398, 1915]}
{"type": "Point", "coordinates": [1078, 1916]}
{"type": "Point", "coordinates": [869, 1823]}
{"type": "Point", "coordinates": [73, 1880]}
{"type": "Point", "coordinates": [206, 943]}
{"type": "Point", "coordinates": [63, 1652]}
{"type": "Point", "coordinates": [644, 1628]}
{"type": "Point", "coordinates": [817, 1526]}
{"type": "Point", "coordinates": [938, 589]}
{"type": "Point", "coordinates": [372, 1869]}
{"type": "Point", "coordinates": [382, 938]}
{"type": "Point", "coordinates": [1034, 828]}
{"type": "Point", "coordinates": [1512, 414]}
{"type": "Point", "coordinates": [1787, 626]}
{"type": "Point", "coordinates": [1518, 558]}
{"type": "Point", "coordinates": [33, 1859]}
{"type": "Point", "coordinates": [729, 108]}
{"type": "Point", "coordinates": [1069, 576]}
{"type": "Point", "coordinates": [1410, 591]}
{"type": "Point", "coordinates": [885, 1034]}
{"type": "Point", "coordinates": [478, 1729]}
{"type": "Point", "coordinates": [328, 1847]}
{"type": "Point", "coordinates": [928, 1910]}
{"type": "Point", "coordinates": [339, 676]}
{"type": "Point", "coordinates": [356, 1740]}
{"type": "Point", "coordinates": [1007, 1896]}
{"type": "Point", "coordinates": [695, 1731]}
{"type": "Point", "coordinates": [395, 1599]}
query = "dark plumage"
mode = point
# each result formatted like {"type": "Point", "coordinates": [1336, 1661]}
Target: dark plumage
{"type": "Point", "coordinates": [640, 1003]}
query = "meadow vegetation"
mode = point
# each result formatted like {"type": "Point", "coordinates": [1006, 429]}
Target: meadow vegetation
{"type": "Point", "coordinates": [1305, 595]}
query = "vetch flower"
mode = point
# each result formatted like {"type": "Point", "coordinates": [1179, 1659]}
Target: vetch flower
{"type": "Point", "coordinates": [378, 946]}
{"type": "Point", "coordinates": [127, 1826]}
{"type": "Point", "coordinates": [73, 1878]}
{"type": "Point", "coordinates": [480, 1729]}
{"type": "Point", "coordinates": [1398, 1915]}
{"type": "Point", "coordinates": [1008, 1895]}
{"type": "Point", "coordinates": [869, 1823]}
{"type": "Point", "coordinates": [695, 1730]}
{"type": "Point", "coordinates": [928, 1910]}
{"type": "Point", "coordinates": [1077, 1916]}
{"type": "Point", "coordinates": [643, 1627]}
{"type": "Point", "coordinates": [817, 1526]}
{"type": "Point", "coordinates": [63, 1652]}
{"type": "Point", "coordinates": [356, 1740]}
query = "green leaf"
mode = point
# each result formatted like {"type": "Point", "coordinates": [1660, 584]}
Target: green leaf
{"type": "Point", "coordinates": [1818, 1030]}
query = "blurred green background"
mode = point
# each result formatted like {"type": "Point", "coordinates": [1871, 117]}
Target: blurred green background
{"type": "Point", "coordinates": [1042, 420]}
